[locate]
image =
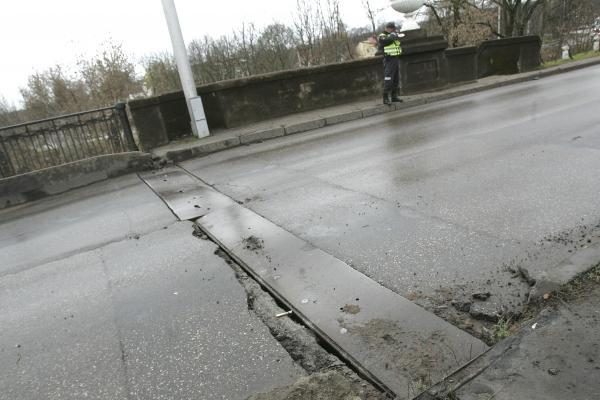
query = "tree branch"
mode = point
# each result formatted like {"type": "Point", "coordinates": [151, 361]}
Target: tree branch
{"type": "Point", "coordinates": [492, 29]}
{"type": "Point", "coordinates": [437, 16]}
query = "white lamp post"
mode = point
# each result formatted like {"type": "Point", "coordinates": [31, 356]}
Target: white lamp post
{"type": "Point", "coordinates": [194, 102]}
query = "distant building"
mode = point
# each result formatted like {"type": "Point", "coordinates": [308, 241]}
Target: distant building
{"type": "Point", "coordinates": [366, 48]}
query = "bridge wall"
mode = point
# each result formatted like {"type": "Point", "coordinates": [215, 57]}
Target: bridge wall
{"type": "Point", "coordinates": [427, 65]}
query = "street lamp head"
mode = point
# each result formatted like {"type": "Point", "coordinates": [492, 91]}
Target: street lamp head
{"type": "Point", "coordinates": [407, 6]}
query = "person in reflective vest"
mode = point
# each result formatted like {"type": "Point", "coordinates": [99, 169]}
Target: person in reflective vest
{"type": "Point", "coordinates": [389, 46]}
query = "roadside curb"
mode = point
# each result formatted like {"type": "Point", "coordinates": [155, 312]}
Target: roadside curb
{"type": "Point", "coordinates": [451, 384]}
{"type": "Point", "coordinates": [229, 140]}
{"type": "Point", "coordinates": [564, 272]}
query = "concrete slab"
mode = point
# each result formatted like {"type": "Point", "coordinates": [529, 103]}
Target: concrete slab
{"type": "Point", "coordinates": [391, 339]}
{"type": "Point", "coordinates": [186, 196]}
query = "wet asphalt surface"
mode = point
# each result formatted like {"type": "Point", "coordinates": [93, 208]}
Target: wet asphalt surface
{"type": "Point", "coordinates": [443, 201]}
{"type": "Point", "coordinates": [105, 295]}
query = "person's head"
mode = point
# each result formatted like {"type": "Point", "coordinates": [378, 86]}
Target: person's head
{"type": "Point", "coordinates": [390, 27]}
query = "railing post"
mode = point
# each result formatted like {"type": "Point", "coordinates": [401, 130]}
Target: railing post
{"type": "Point", "coordinates": [6, 168]}
{"type": "Point", "coordinates": [122, 112]}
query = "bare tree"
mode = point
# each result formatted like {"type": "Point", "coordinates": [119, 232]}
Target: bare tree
{"type": "Point", "coordinates": [37, 96]}
{"type": "Point", "coordinates": [275, 49]}
{"type": "Point", "coordinates": [317, 36]}
{"type": "Point", "coordinates": [9, 115]}
{"type": "Point", "coordinates": [321, 35]}
{"type": "Point", "coordinates": [161, 74]}
{"type": "Point", "coordinates": [572, 22]}
{"type": "Point", "coordinates": [100, 81]}
{"type": "Point", "coordinates": [246, 39]}
{"type": "Point", "coordinates": [109, 76]}
{"type": "Point", "coordinates": [371, 15]}
{"type": "Point", "coordinates": [306, 25]}
{"type": "Point", "coordinates": [462, 22]}
{"type": "Point", "coordinates": [516, 14]}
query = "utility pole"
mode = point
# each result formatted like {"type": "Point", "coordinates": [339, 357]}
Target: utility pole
{"type": "Point", "coordinates": [194, 102]}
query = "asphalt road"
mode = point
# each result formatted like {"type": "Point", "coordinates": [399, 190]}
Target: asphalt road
{"type": "Point", "coordinates": [105, 295]}
{"type": "Point", "coordinates": [436, 201]}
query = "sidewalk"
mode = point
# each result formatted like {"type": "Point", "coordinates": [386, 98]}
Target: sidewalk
{"type": "Point", "coordinates": [555, 355]}
{"type": "Point", "coordinates": [559, 359]}
{"type": "Point", "coordinates": [297, 123]}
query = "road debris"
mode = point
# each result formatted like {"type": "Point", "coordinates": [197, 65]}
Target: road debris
{"type": "Point", "coordinates": [482, 296]}
{"type": "Point", "coordinates": [463, 306]}
{"type": "Point", "coordinates": [526, 276]}
{"type": "Point", "coordinates": [253, 243]}
{"type": "Point", "coordinates": [350, 309]}
{"type": "Point", "coordinates": [283, 314]}
{"type": "Point", "coordinates": [485, 312]}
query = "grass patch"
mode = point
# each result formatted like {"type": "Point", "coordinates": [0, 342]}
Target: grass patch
{"type": "Point", "coordinates": [502, 329]}
{"type": "Point", "coordinates": [581, 285]}
{"type": "Point", "coordinates": [576, 57]}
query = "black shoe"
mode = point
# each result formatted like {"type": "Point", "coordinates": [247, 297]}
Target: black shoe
{"type": "Point", "coordinates": [396, 96]}
{"type": "Point", "coordinates": [387, 99]}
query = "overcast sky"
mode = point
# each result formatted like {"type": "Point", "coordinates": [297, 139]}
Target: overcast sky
{"type": "Point", "coordinates": [37, 34]}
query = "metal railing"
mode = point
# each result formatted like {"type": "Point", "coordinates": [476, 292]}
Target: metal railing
{"type": "Point", "coordinates": [60, 140]}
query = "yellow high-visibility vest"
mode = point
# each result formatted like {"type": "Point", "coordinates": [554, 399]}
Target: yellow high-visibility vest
{"type": "Point", "coordinates": [392, 49]}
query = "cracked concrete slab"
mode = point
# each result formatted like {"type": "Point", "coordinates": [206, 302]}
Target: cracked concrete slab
{"type": "Point", "coordinates": [142, 310]}
{"type": "Point", "coordinates": [400, 346]}
{"type": "Point", "coordinates": [397, 343]}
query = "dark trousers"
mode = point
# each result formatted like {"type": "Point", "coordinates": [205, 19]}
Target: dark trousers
{"type": "Point", "coordinates": [391, 74]}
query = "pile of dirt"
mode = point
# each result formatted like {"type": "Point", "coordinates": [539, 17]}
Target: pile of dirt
{"type": "Point", "coordinates": [330, 385]}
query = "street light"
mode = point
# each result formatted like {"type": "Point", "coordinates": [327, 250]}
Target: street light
{"type": "Point", "coordinates": [409, 8]}
{"type": "Point", "coordinates": [194, 102]}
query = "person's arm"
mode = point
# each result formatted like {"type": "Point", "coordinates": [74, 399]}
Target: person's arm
{"type": "Point", "coordinates": [385, 40]}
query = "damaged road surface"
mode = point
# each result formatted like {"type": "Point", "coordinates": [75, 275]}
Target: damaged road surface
{"type": "Point", "coordinates": [444, 201]}
{"type": "Point", "coordinates": [105, 295]}
{"type": "Point", "coordinates": [387, 338]}
{"type": "Point", "coordinates": [185, 195]}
